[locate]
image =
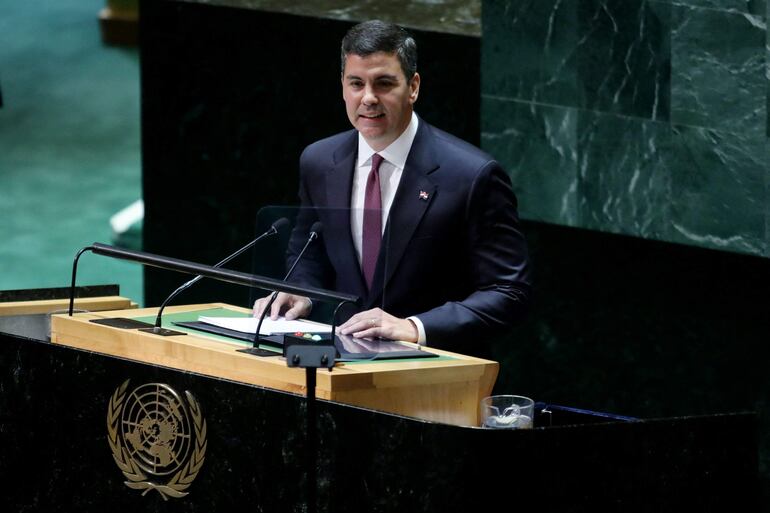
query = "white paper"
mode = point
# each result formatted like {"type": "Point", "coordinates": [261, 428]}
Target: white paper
{"type": "Point", "coordinates": [269, 326]}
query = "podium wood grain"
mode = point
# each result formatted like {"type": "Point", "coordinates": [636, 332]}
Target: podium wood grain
{"type": "Point", "coordinates": [44, 306]}
{"type": "Point", "coordinates": [446, 391]}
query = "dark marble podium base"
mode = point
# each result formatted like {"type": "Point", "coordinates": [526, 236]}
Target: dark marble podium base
{"type": "Point", "coordinates": [56, 457]}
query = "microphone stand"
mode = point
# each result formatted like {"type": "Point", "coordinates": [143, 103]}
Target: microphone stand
{"type": "Point", "coordinates": [194, 268]}
{"type": "Point", "coordinates": [255, 350]}
{"type": "Point", "coordinates": [310, 355]}
{"type": "Point", "coordinates": [157, 329]}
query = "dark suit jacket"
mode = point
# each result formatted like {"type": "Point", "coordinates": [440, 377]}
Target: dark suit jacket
{"type": "Point", "coordinates": [457, 259]}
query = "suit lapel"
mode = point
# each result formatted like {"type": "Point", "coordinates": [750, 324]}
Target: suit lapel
{"type": "Point", "coordinates": [415, 193]}
{"type": "Point", "coordinates": [339, 183]}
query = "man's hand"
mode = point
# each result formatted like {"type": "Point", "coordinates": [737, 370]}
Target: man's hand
{"type": "Point", "coordinates": [291, 306]}
{"type": "Point", "coordinates": [375, 323]}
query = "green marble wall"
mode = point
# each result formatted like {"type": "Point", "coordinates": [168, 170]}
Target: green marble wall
{"type": "Point", "coordinates": [640, 117]}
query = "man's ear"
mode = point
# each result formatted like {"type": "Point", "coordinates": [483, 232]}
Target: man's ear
{"type": "Point", "coordinates": [414, 88]}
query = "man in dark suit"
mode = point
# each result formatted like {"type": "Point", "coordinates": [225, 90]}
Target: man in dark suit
{"type": "Point", "coordinates": [419, 224]}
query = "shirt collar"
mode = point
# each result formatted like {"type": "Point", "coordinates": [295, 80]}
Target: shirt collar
{"type": "Point", "coordinates": [397, 152]}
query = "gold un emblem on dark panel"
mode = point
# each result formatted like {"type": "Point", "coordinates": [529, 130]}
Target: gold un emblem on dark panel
{"type": "Point", "coordinates": [157, 439]}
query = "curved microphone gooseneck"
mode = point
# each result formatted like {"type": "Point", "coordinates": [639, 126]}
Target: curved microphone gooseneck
{"type": "Point", "coordinates": [315, 232]}
{"type": "Point", "coordinates": [274, 229]}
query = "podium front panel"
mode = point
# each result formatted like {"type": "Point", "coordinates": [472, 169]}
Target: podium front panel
{"type": "Point", "coordinates": [61, 407]}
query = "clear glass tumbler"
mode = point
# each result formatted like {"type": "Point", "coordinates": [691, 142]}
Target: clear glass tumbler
{"type": "Point", "coordinates": [507, 412]}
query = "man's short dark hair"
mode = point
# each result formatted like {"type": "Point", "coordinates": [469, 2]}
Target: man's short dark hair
{"type": "Point", "coordinates": [379, 36]}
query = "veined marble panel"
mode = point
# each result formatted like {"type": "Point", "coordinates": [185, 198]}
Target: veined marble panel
{"type": "Point", "coordinates": [718, 70]}
{"type": "Point", "coordinates": [767, 79]}
{"type": "Point", "coordinates": [528, 51]}
{"type": "Point", "coordinates": [755, 7]}
{"type": "Point", "coordinates": [718, 190]}
{"type": "Point", "coordinates": [668, 100]}
{"type": "Point", "coordinates": [624, 176]}
{"type": "Point", "coordinates": [767, 213]}
{"type": "Point", "coordinates": [765, 199]}
{"type": "Point", "coordinates": [537, 144]}
{"type": "Point", "coordinates": [451, 16]}
{"type": "Point", "coordinates": [623, 58]}
{"type": "Point", "coordinates": [767, 134]}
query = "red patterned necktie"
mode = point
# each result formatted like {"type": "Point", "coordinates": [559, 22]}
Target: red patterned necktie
{"type": "Point", "coordinates": [372, 226]}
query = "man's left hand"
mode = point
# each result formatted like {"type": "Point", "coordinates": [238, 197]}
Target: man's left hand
{"type": "Point", "coordinates": [376, 323]}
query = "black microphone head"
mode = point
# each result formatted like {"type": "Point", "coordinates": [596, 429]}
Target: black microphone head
{"type": "Point", "coordinates": [280, 224]}
{"type": "Point", "coordinates": [317, 228]}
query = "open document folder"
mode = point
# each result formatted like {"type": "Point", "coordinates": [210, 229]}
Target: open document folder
{"type": "Point", "coordinates": [348, 348]}
{"type": "Point", "coordinates": [269, 326]}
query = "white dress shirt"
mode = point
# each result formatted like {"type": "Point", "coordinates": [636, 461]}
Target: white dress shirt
{"type": "Point", "coordinates": [391, 169]}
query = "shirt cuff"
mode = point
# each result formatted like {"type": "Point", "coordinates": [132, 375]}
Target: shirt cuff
{"type": "Point", "coordinates": [420, 330]}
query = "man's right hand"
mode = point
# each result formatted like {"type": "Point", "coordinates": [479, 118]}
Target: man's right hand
{"type": "Point", "coordinates": [288, 305]}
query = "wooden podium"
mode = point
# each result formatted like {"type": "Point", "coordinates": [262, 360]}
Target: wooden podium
{"type": "Point", "coordinates": [45, 306]}
{"type": "Point", "coordinates": [445, 389]}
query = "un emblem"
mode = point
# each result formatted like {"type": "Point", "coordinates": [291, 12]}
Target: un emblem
{"type": "Point", "coordinates": [157, 439]}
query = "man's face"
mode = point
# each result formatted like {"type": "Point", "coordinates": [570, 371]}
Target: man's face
{"type": "Point", "coordinates": [378, 97]}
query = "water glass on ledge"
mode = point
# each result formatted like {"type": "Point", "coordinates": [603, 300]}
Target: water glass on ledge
{"type": "Point", "coordinates": [507, 412]}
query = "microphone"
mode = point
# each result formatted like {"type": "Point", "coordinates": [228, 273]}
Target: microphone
{"type": "Point", "coordinates": [315, 232]}
{"type": "Point", "coordinates": [277, 226]}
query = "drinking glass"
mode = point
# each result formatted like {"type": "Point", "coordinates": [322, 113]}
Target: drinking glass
{"type": "Point", "coordinates": [507, 412]}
